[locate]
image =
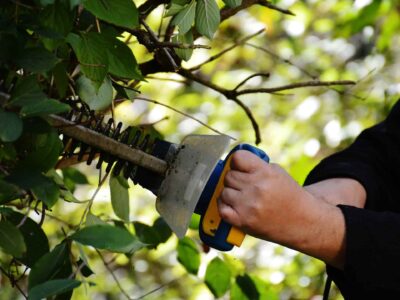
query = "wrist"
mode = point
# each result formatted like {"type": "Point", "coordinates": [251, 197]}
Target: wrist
{"type": "Point", "coordinates": [316, 228]}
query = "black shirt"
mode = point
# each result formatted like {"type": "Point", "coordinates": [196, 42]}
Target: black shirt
{"type": "Point", "coordinates": [372, 258]}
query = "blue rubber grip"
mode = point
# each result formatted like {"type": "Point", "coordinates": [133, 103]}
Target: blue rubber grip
{"type": "Point", "coordinates": [218, 241]}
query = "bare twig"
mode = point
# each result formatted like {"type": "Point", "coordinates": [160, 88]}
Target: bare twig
{"type": "Point", "coordinates": [229, 94]}
{"type": "Point", "coordinates": [156, 289]}
{"type": "Point", "coordinates": [277, 8]}
{"type": "Point", "coordinates": [154, 123]}
{"type": "Point", "coordinates": [228, 12]}
{"type": "Point", "coordinates": [89, 206]}
{"type": "Point", "coordinates": [219, 54]}
{"type": "Point", "coordinates": [250, 77]}
{"type": "Point", "coordinates": [113, 276]}
{"type": "Point", "coordinates": [181, 46]}
{"type": "Point", "coordinates": [295, 86]}
{"type": "Point", "coordinates": [13, 282]}
{"type": "Point", "coordinates": [182, 113]}
{"type": "Point", "coordinates": [284, 60]}
{"type": "Point", "coordinates": [167, 79]}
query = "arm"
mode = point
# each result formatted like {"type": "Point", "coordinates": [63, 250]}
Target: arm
{"type": "Point", "coordinates": [279, 210]}
{"type": "Point", "coordinates": [356, 228]}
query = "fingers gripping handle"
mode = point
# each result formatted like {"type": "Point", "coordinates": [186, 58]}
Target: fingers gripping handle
{"type": "Point", "coordinates": [213, 230]}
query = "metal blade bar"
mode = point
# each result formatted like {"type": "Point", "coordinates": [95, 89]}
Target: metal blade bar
{"type": "Point", "coordinates": [108, 145]}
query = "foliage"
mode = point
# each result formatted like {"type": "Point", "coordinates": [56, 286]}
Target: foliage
{"type": "Point", "coordinates": [217, 65]}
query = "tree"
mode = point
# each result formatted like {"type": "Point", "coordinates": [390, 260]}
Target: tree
{"type": "Point", "coordinates": [244, 67]}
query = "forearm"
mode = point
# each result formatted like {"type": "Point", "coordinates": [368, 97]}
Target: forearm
{"type": "Point", "coordinates": [337, 191]}
{"type": "Point", "coordinates": [321, 224]}
{"type": "Point", "coordinates": [318, 230]}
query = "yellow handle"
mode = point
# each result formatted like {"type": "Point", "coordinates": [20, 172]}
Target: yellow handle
{"type": "Point", "coordinates": [212, 219]}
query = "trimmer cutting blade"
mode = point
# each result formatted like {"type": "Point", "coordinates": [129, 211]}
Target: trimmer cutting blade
{"type": "Point", "coordinates": [186, 178]}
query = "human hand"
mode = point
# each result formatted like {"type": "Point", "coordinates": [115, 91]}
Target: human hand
{"type": "Point", "coordinates": [262, 200]}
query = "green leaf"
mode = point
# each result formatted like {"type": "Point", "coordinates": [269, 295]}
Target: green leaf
{"type": "Point", "coordinates": [91, 53]}
{"type": "Point", "coordinates": [44, 107]}
{"type": "Point", "coordinates": [35, 239]}
{"type": "Point", "coordinates": [11, 239]}
{"type": "Point", "coordinates": [186, 39]}
{"type": "Point", "coordinates": [153, 235]}
{"type": "Point", "coordinates": [233, 3]}
{"type": "Point", "coordinates": [119, 197]}
{"type": "Point", "coordinates": [43, 188]}
{"type": "Point", "coordinates": [108, 237]}
{"type": "Point", "coordinates": [56, 19]}
{"type": "Point", "coordinates": [163, 230]}
{"type": "Point", "coordinates": [49, 265]}
{"type": "Point", "coordinates": [37, 60]}
{"type": "Point", "coordinates": [40, 144]}
{"type": "Point", "coordinates": [53, 287]}
{"type": "Point", "coordinates": [121, 60]}
{"type": "Point", "coordinates": [61, 78]}
{"type": "Point", "coordinates": [72, 177]}
{"type": "Point", "coordinates": [218, 277]}
{"type": "Point", "coordinates": [266, 293]}
{"type": "Point", "coordinates": [207, 17]}
{"type": "Point", "coordinates": [194, 222]}
{"type": "Point", "coordinates": [188, 255]}
{"type": "Point", "coordinates": [91, 220]}
{"type": "Point", "coordinates": [10, 126]}
{"type": "Point", "coordinates": [185, 18]}
{"type": "Point", "coordinates": [7, 152]}
{"type": "Point", "coordinates": [8, 192]}
{"type": "Point", "coordinates": [244, 289]}
{"type": "Point", "coordinates": [97, 99]}
{"type": "Point", "coordinates": [26, 92]}
{"type": "Point", "coordinates": [119, 12]}
{"type": "Point", "coordinates": [367, 16]}
{"type": "Point", "coordinates": [173, 9]}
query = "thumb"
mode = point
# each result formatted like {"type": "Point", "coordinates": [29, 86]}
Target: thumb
{"type": "Point", "coordinates": [245, 161]}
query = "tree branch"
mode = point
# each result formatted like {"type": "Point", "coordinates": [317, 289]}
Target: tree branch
{"type": "Point", "coordinates": [229, 94]}
{"type": "Point", "coordinates": [218, 55]}
{"type": "Point", "coordinates": [295, 86]}
{"type": "Point", "coordinates": [228, 12]}
{"type": "Point", "coordinates": [250, 77]}
{"type": "Point", "coordinates": [183, 113]}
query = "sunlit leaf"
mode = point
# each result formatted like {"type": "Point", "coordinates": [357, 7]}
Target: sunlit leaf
{"type": "Point", "coordinates": [232, 3]}
{"type": "Point", "coordinates": [97, 99]}
{"type": "Point", "coordinates": [91, 220]}
{"type": "Point", "coordinates": [173, 9]}
{"type": "Point", "coordinates": [207, 17]}
{"type": "Point", "coordinates": [185, 18]}
{"type": "Point", "coordinates": [188, 255]}
{"type": "Point", "coordinates": [218, 277]}
{"type": "Point", "coordinates": [186, 39]}
{"type": "Point", "coordinates": [119, 197]}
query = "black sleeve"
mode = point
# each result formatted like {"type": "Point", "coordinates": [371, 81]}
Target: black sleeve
{"type": "Point", "coordinates": [372, 234]}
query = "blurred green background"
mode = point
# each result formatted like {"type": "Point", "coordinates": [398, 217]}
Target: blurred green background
{"type": "Point", "coordinates": [326, 40]}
